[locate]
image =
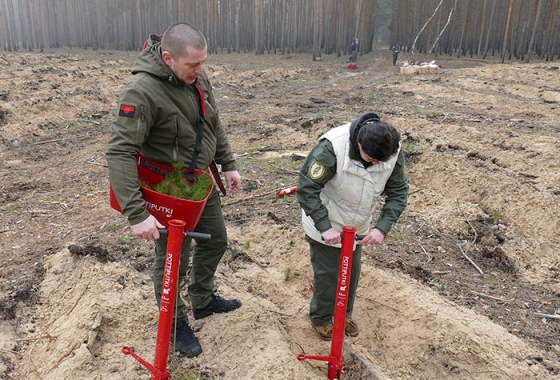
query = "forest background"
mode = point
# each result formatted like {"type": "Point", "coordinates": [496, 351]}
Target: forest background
{"type": "Point", "coordinates": [514, 29]}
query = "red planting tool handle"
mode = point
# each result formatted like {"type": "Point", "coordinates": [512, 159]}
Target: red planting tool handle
{"type": "Point", "coordinates": [358, 237]}
{"type": "Point", "coordinates": [286, 191]}
{"type": "Point", "coordinates": [191, 234]}
{"type": "Point", "coordinates": [341, 302]}
{"type": "Point", "coordinates": [176, 234]}
{"type": "Point", "coordinates": [336, 360]}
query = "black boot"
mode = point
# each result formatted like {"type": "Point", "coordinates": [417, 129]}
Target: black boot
{"type": "Point", "coordinates": [216, 305]}
{"type": "Point", "coordinates": [184, 340]}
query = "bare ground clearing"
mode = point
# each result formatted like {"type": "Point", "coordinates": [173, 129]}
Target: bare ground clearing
{"type": "Point", "coordinates": [482, 143]}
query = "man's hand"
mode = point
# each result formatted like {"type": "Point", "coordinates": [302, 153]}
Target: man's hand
{"type": "Point", "coordinates": [373, 237]}
{"type": "Point", "coordinates": [233, 181]}
{"type": "Point", "coordinates": [148, 229]}
{"type": "Point", "coordinates": [332, 236]}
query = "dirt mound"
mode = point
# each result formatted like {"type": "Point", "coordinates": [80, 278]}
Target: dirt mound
{"type": "Point", "coordinates": [89, 309]}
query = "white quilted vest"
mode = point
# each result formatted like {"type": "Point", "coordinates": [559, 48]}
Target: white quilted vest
{"type": "Point", "coordinates": [351, 195]}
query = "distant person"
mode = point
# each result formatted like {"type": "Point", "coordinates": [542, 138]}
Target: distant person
{"type": "Point", "coordinates": [354, 50]}
{"type": "Point", "coordinates": [159, 112]}
{"type": "Point", "coordinates": [340, 181]}
{"type": "Point", "coordinates": [396, 50]}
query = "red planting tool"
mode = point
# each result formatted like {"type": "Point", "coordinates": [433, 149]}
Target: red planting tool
{"type": "Point", "coordinates": [286, 191]}
{"type": "Point", "coordinates": [336, 361]}
{"type": "Point", "coordinates": [176, 234]}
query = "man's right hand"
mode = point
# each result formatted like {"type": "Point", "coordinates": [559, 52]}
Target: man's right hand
{"type": "Point", "coordinates": [148, 229]}
{"type": "Point", "coordinates": [331, 236]}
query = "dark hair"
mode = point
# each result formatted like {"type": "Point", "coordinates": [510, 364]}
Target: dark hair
{"type": "Point", "coordinates": [176, 39]}
{"type": "Point", "coordinates": [379, 140]}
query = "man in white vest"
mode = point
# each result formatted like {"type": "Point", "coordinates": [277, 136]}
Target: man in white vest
{"type": "Point", "coordinates": [340, 182]}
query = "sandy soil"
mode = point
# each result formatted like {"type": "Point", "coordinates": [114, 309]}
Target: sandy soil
{"type": "Point", "coordinates": [464, 287]}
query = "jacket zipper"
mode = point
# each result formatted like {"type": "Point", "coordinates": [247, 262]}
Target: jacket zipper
{"type": "Point", "coordinates": [141, 119]}
{"type": "Point", "coordinates": [176, 150]}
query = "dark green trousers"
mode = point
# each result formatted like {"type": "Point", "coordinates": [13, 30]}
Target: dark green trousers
{"type": "Point", "coordinates": [206, 257]}
{"type": "Point", "coordinates": [325, 260]}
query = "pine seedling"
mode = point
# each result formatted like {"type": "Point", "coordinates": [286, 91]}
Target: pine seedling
{"type": "Point", "coordinates": [288, 274]}
{"type": "Point", "coordinates": [176, 185]}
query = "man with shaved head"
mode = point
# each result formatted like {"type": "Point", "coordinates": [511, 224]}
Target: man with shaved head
{"type": "Point", "coordinates": [167, 114]}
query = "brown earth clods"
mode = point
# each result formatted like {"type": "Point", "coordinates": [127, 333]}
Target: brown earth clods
{"type": "Point", "coordinates": [466, 285]}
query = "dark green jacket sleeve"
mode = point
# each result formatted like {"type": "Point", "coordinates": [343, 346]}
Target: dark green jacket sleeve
{"type": "Point", "coordinates": [309, 190]}
{"type": "Point", "coordinates": [127, 136]}
{"type": "Point", "coordinates": [396, 193]}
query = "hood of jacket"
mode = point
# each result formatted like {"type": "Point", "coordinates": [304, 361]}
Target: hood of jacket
{"type": "Point", "coordinates": [354, 129]}
{"type": "Point", "coordinates": [149, 61]}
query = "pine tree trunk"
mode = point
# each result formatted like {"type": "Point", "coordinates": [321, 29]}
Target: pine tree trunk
{"type": "Point", "coordinates": [12, 26]}
{"type": "Point", "coordinates": [535, 26]}
{"type": "Point", "coordinates": [491, 23]}
{"type": "Point", "coordinates": [506, 32]}
{"type": "Point", "coordinates": [481, 31]}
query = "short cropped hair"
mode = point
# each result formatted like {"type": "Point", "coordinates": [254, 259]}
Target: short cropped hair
{"type": "Point", "coordinates": [176, 39]}
{"type": "Point", "coordinates": [379, 140]}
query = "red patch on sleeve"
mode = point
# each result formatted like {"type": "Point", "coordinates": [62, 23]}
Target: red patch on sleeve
{"type": "Point", "coordinates": [127, 110]}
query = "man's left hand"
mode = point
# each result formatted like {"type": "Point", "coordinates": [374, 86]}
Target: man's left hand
{"type": "Point", "coordinates": [233, 181]}
{"type": "Point", "coordinates": [373, 237]}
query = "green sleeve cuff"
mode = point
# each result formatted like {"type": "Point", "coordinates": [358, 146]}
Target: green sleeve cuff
{"type": "Point", "coordinates": [323, 225]}
{"type": "Point", "coordinates": [383, 227]}
{"type": "Point", "coordinates": [229, 167]}
{"type": "Point", "coordinates": [139, 218]}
